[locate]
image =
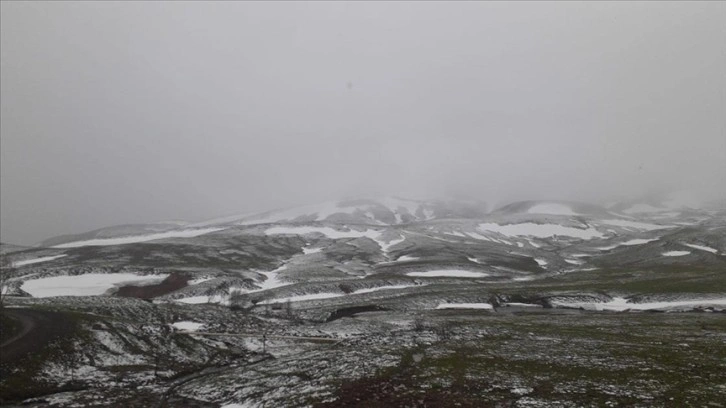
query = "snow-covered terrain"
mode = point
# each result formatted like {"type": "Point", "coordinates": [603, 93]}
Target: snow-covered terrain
{"type": "Point", "coordinates": [278, 308]}
{"type": "Point", "coordinates": [621, 304]}
{"type": "Point", "coordinates": [184, 233]}
{"type": "Point", "coordinates": [90, 284]}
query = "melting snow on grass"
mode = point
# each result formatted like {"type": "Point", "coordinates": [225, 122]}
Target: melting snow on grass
{"type": "Point", "coordinates": [464, 306]}
{"type": "Point", "coordinates": [187, 326]}
{"type": "Point", "coordinates": [199, 280]}
{"type": "Point", "coordinates": [189, 233]}
{"type": "Point", "coordinates": [676, 253]}
{"type": "Point", "coordinates": [37, 260]}
{"type": "Point", "coordinates": [541, 230]}
{"type": "Point", "coordinates": [386, 246]}
{"type": "Point", "coordinates": [327, 231]}
{"type": "Point", "coordinates": [620, 304]}
{"type": "Point", "coordinates": [449, 273]}
{"type": "Point", "coordinates": [90, 284]}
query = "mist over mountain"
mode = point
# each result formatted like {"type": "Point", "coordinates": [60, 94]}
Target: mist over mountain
{"type": "Point", "coordinates": [239, 204]}
{"type": "Point", "coordinates": [124, 114]}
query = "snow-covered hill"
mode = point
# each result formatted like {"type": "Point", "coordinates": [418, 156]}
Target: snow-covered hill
{"type": "Point", "coordinates": [306, 253]}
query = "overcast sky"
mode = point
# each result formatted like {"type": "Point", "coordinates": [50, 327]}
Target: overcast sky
{"type": "Point", "coordinates": [131, 112]}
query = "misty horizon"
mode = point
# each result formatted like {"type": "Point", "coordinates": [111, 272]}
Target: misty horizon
{"type": "Point", "coordinates": [126, 113]}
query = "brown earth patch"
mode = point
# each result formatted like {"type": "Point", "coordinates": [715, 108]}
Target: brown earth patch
{"type": "Point", "coordinates": [173, 282]}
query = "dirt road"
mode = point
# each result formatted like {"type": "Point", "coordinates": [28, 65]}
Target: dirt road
{"type": "Point", "coordinates": [39, 327]}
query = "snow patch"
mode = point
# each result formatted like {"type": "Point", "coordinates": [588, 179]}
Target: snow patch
{"type": "Point", "coordinates": [37, 260]}
{"type": "Point", "coordinates": [391, 287]}
{"type": "Point", "coordinates": [541, 230]}
{"type": "Point", "coordinates": [637, 241]}
{"type": "Point", "coordinates": [449, 273]}
{"type": "Point", "coordinates": [522, 304]}
{"type": "Point", "coordinates": [405, 258]}
{"type": "Point", "coordinates": [194, 300]}
{"type": "Point", "coordinates": [308, 251]}
{"type": "Point", "coordinates": [464, 306]}
{"type": "Point", "coordinates": [676, 253]}
{"type": "Point", "coordinates": [620, 304]}
{"type": "Point", "coordinates": [90, 284]}
{"type": "Point", "coordinates": [300, 298]}
{"type": "Point", "coordinates": [187, 325]}
{"type": "Point", "coordinates": [189, 233]}
{"type": "Point", "coordinates": [386, 246]}
{"type": "Point", "coordinates": [199, 280]}
{"type": "Point", "coordinates": [702, 248]}
{"type": "Point", "coordinates": [327, 231]}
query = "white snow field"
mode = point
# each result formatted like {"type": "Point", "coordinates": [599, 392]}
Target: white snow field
{"type": "Point", "coordinates": [676, 253]}
{"type": "Point", "coordinates": [552, 209]}
{"type": "Point", "coordinates": [188, 233]}
{"type": "Point", "coordinates": [620, 304]}
{"type": "Point", "coordinates": [37, 260]}
{"type": "Point", "coordinates": [541, 230]}
{"type": "Point", "coordinates": [449, 273]}
{"type": "Point", "coordinates": [464, 306]}
{"type": "Point", "coordinates": [90, 284]}
{"type": "Point", "coordinates": [187, 325]}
